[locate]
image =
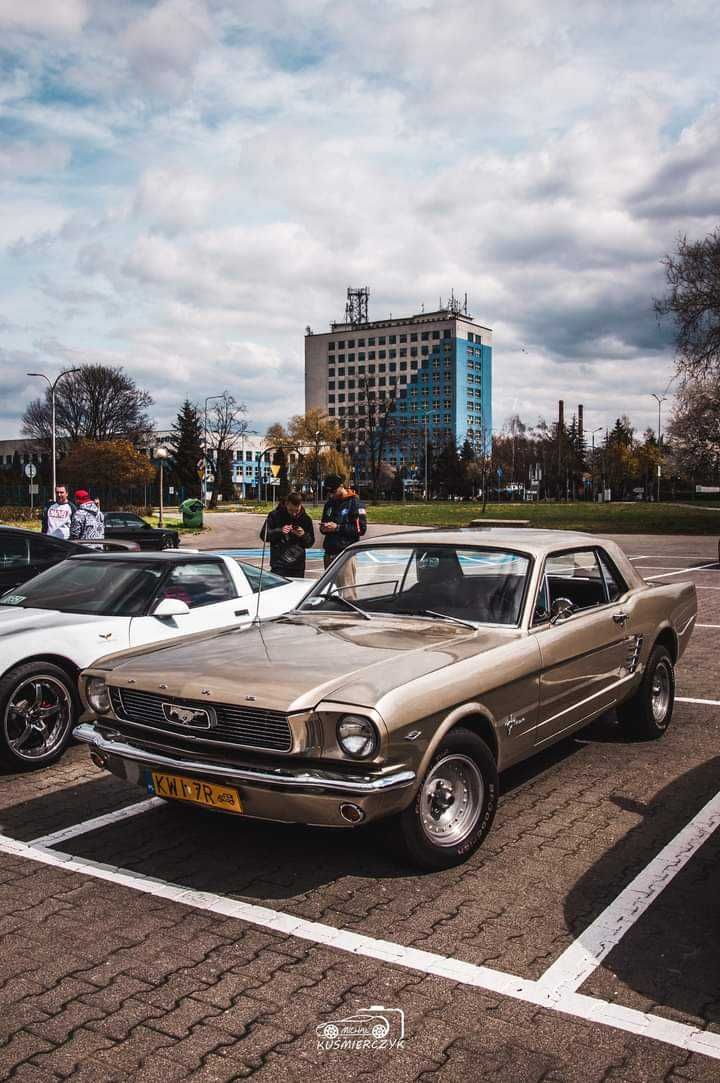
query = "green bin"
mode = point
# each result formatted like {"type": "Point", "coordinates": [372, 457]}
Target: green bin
{"type": "Point", "coordinates": [192, 512]}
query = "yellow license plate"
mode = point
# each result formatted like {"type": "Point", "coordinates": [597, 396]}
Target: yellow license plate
{"type": "Point", "coordinates": [200, 793]}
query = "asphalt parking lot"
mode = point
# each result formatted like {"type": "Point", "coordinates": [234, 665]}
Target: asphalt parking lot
{"type": "Point", "coordinates": [580, 943]}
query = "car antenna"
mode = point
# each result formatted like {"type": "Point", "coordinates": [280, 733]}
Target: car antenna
{"type": "Point", "coordinates": [263, 535]}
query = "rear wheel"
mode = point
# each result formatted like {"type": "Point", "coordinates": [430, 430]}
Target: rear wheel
{"type": "Point", "coordinates": [38, 707]}
{"type": "Point", "coordinates": [648, 714]}
{"type": "Point", "coordinates": [454, 807]}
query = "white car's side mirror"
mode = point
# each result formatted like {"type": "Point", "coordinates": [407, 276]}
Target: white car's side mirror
{"type": "Point", "coordinates": [171, 607]}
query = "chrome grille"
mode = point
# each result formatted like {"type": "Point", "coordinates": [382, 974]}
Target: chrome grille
{"type": "Point", "coordinates": [249, 727]}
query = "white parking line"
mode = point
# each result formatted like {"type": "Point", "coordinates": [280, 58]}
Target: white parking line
{"type": "Point", "coordinates": [577, 962]}
{"type": "Point", "coordinates": [681, 571]}
{"type": "Point", "coordinates": [455, 970]}
{"type": "Point", "coordinates": [98, 821]}
{"type": "Point", "coordinates": [707, 702]}
{"type": "Point", "coordinates": [707, 625]}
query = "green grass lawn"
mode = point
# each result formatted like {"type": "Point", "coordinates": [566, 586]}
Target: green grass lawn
{"type": "Point", "coordinates": [613, 518]}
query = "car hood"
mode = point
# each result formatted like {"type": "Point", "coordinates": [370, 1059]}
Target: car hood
{"type": "Point", "coordinates": [294, 662]}
{"type": "Point", "coordinates": [14, 619]}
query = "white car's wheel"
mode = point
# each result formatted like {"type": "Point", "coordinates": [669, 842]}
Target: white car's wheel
{"type": "Point", "coordinates": [38, 707]}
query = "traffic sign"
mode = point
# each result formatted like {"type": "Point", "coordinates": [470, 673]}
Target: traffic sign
{"type": "Point", "coordinates": [276, 468]}
{"type": "Point", "coordinates": [34, 490]}
{"type": "Point", "coordinates": [273, 481]}
{"type": "Point", "coordinates": [30, 470]}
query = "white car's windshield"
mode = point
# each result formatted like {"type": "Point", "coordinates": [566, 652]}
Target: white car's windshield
{"type": "Point", "coordinates": [477, 585]}
{"type": "Point", "coordinates": [110, 588]}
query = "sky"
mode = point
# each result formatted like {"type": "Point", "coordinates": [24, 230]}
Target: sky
{"type": "Point", "coordinates": [186, 185]}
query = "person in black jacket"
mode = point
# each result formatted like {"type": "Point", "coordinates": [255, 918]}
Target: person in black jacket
{"type": "Point", "coordinates": [289, 530]}
{"type": "Point", "coordinates": [344, 519]}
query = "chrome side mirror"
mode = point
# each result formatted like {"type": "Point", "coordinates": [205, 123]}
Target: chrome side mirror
{"type": "Point", "coordinates": [561, 609]}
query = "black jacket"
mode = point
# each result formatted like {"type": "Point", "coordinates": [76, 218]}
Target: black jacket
{"type": "Point", "coordinates": [351, 518]}
{"type": "Point", "coordinates": [287, 551]}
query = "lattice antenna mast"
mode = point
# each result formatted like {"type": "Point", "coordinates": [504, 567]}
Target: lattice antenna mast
{"type": "Point", "coordinates": [356, 307]}
{"type": "Point", "coordinates": [455, 306]}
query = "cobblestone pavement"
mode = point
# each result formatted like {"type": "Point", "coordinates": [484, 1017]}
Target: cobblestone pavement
{"type": "Point", "coordinates": [100, 981]}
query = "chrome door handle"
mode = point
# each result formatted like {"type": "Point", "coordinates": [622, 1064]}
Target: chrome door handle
{"type": "Point", "coordinates": [620, 618]}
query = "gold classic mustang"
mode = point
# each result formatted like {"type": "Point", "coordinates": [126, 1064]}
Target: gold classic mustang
{"type": "Point", "coordinates": [418, 667]}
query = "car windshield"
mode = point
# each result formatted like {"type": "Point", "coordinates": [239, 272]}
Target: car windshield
{"type": "Point", "coordinates": [108, 588]}
{"type": "Point", "coordinates": [478, 585]}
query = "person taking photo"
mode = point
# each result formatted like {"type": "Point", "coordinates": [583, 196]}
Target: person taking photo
{"type": "Point", "coordinates": [344, 519]}
{"type": "Point", "coordinates": [290, 532]}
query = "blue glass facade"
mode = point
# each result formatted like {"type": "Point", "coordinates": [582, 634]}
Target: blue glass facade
{"type": "Point", "coordinates": [453, 387]}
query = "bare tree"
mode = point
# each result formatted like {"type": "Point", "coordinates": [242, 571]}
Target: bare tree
{"type": "Point", "coordinates": [226, 426]}
{"type": "Point", "coordinates": [693, 302]}
{"type": "Point", "coordinates": [98, 402]}
{"type": "Point", "coordinates": [695, 427]}
{"type": "Point", "coordinates": [376, 410]}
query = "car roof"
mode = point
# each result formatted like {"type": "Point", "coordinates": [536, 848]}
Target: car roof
{"type": "Point", "coordinates": [7, 529]}
{"type": "Point", "coordinates": [535, 542]}
{"type": "Point", "coordinates": [165, 556]}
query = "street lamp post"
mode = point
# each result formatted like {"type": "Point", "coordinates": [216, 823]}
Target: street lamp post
{"type": "Point", "coordinates": [659, 399]}
{"type": "Point", "coordinates": [52, 384]}
{"type": "Point", "coordinates": [161, 453]}
{"type": "Point", "coordinates": [205, 447]}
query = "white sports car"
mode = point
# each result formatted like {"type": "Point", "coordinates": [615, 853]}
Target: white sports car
{"type": "Point", "coordinates": [94, 604]}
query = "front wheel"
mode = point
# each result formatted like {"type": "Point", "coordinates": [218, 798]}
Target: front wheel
{"type": "Point", "coordinates": [37, 711]}
{"type": "Point", "coordinates": [648, 713]}
{"type": "Point", "coordinates": [454, 807]}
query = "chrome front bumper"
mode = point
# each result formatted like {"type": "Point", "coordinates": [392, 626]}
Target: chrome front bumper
{"type": "Point", "coordinates": [288, 794]}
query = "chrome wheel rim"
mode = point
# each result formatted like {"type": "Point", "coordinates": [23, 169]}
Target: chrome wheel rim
{"type": "Point", "coordinates": [660, 693]}
{"type": "Point", "coordinates": [37, 717]}
{"type": "Point", "coordinates": [451, 800]}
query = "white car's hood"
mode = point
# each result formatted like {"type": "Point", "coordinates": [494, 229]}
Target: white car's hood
{"type": "Point", "coordinates": [14, 619]}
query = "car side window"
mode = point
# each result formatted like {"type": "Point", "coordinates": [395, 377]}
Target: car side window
{"type": "Point", "coordinates": [14, 552]}
{"type": "Point", "coordinates": [616, 585]}
{"type": "Point", "coordinates": [269, 579]}
{"type": "Point", "coordinates": [46, 549]}
{"type": "Point", "coordinates": [574, 575]}
{"type": "Point", "coordinates": [198, 584]}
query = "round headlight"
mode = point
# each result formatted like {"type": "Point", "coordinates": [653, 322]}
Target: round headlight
{"type": "Point", "coordinates": [356, 736]}
{"type": "Point", "coordinates": [97, 695]}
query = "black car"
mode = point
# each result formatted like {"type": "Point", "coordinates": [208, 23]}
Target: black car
{"type": "Point", "coordinates": [130, 527]}
{"type": "Point", "coordinates": [24, 553]}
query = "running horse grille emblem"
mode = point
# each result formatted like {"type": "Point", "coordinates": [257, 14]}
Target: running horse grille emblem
{"type": "Point", "coordinates": [195, 717]}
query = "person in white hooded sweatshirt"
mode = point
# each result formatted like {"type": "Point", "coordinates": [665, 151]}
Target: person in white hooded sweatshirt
{"type": "Point", "coordinates": [88, 522]}
{"type": "Point", "coordinates": [57, 515]}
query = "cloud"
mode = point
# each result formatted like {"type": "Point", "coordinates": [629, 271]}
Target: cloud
{"type": "Point", "coordinates": [186, 185]}
{"type": "Point", "coordinates": [165, 42]}
{"type": "Point", "coordinates": [66, 17]}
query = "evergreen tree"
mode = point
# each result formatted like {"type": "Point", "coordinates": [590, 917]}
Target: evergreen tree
{"type": "Point", "coordinates": [467, 464]}
{"type": "Point", "coordinates": [448, 471]}
{"type": "Point", "coordinates": [187, 445]}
